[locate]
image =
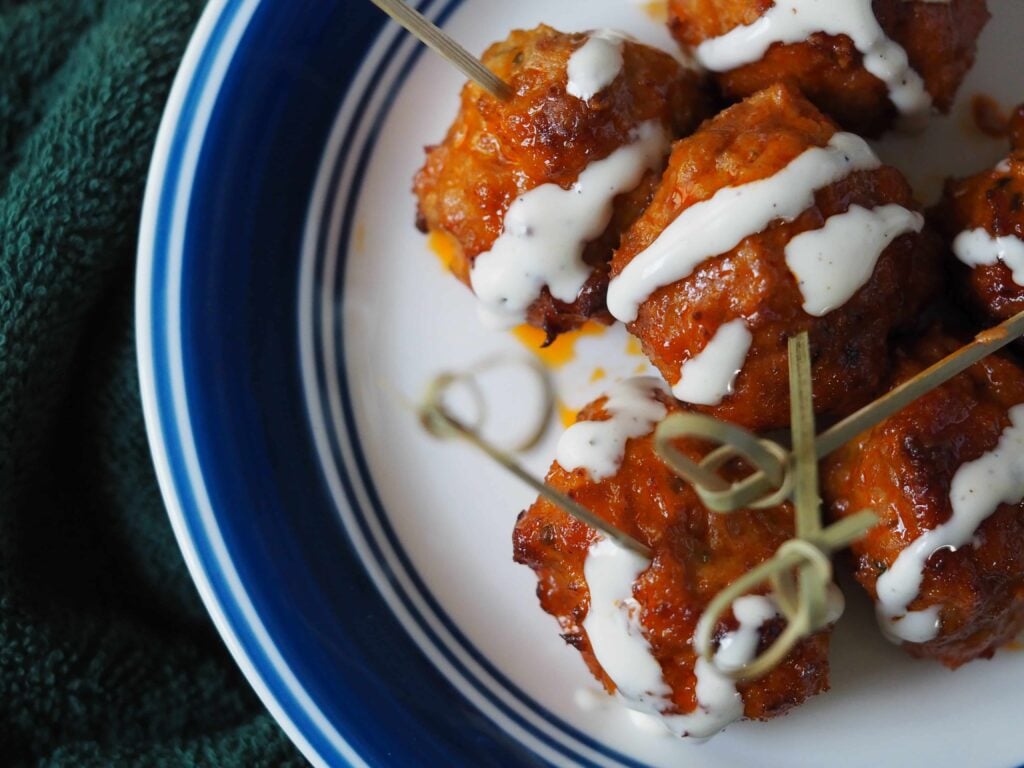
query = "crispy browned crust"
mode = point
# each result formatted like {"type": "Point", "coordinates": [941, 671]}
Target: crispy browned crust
{"type": "Point", "coordinates": [940, 40]}
{"type": "Point", "coordinates": [495, 150]}
{"type": "Point", "coordinates": [754, 140]}
{"type": "Point", "coordinates": [992, 200]}
{"type": "Point", "coordinates": [697, 553]}
{"type": "Point", "coordinates": [903, 470]}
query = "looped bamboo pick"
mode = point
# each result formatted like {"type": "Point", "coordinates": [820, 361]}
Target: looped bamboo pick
{"type": "Point", "coordinates": [800, 573]}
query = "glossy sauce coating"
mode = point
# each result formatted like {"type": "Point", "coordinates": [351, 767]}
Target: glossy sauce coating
{"type": "Point", "coordinates": [939, 38]}
{"type": "Point", "coordinates": [755, 140]}
{"type": "Point", "coordinates": [903, 469]}
{"type": "Point", "coordinates": [992, 200]}
{"type": "Point", "coordinates": [697, 554]}
{"type": "Point", "coordinates": [496, 151]}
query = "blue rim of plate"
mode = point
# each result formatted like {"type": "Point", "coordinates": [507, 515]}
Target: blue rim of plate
{"type": "Point", "coordinates": [165, 379]}
{"type": "Point", "coordinates": [161, 370]}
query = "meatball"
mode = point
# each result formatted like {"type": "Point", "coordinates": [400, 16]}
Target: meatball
{"type": "Point", "coordinates": [696, 554]}
{"type": "Point", "coordinates": [939, 39]}
{"type": "Point", "coordinates": [497, 151]}
{"type": "Point", "coordinates": [735, 309]}
{"type": "Point", "coordinates": [983, 218]}
{"type": "Point", "coordinates": [945, 564]}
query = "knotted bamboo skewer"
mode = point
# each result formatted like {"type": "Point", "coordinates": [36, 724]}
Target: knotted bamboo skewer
{"type": "Point", "coordinates": [800, 573]}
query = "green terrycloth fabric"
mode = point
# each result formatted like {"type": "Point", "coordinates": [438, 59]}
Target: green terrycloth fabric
{"type": "Point", "coordinates": [106, 655]}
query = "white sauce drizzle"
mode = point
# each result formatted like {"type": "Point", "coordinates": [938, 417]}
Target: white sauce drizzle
{"type": "Point", "coordinates": [717, 225]}
{"type": "Point", "coordinates": [976, 247]}
{"type": "Point", "coordinates": [977, 490]}
{"type": "Point", "coordinates": [913, 626]}
{"type": "Point", "coordinates": [738, 648]}
{"type": "Point", "coordinates": [832, 263]}
{"type": "Point", "coordinates": [599, 446]}
{"type": "Point", "coordinates": [547, 228]}
{"type": "Point", "coordinates": [613, 622]}
{"type": "Point", "coordinates": [710, 375]}
{"type": "Point", "coordinates": [793, 21]}
{"type": "Point", "coordinates": [617, 638]}
{"type": "Point", "coordinates": [595, 65]}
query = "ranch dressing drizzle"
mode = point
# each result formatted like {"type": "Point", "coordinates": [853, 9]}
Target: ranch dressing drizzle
{"type": "Point", "coordinates": [547, 228]}
{"type": "Point", "coordinates": [977, 490]}
{"type": "Point", "coordinates": [832, 263]}
{"type": "Point", "coordinates": [976, 247]}
{"type": "Point", "coordinates": [613, 622]}
{"type": "Point", "coordinates": [717, 225]}
{"type": "Point", "coordinates": [739, 647]}
{"type": "Point", "coordinates": [709, 376]}
{"type": "Point", "coordinates": [793, 21]}
{"type": "Point", "coordinates": [595, 65]}
{"type": "Point", "coordinates": [599, 446]}
{"type": "Point", "coordinates": [913, 626]}
{"type": "Point", "coordinates": [617, 638]}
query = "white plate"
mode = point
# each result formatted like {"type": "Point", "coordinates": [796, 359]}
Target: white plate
{"type": "Point", "coordinates": [452, 512]}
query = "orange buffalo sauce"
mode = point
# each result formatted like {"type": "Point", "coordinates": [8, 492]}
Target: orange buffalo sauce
{"type": "Point", "coordinates": [562, 350]}
{"type": "Point", "coordinates": [444, 247]}
{"type": "Point", "coordinates": [566, 415]}
{"type": "Point", "coordinates": [989, 116]}
{"type": "Point", "coordinates": [657, 10]}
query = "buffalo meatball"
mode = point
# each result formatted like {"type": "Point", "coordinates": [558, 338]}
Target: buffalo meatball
{"type": "Point", "coordinates": [877, 59]}
{"type": "Point", "coordinates": [946, 475]}
{"type": "Point", "coordinates": [607, 463]}
{"type": "Point", "coordinates": [768, 223]}
{"type": "Point", "coordinates": [983, 219]}
{"type": "Point", "coordinates": [571, 159]}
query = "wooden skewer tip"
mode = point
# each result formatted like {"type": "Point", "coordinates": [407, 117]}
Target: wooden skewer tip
{"type": "Point", "coordinates": [445, 46]}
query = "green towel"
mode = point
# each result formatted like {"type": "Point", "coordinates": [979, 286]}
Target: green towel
{"type": "Point", "coordinates": [107, 656]}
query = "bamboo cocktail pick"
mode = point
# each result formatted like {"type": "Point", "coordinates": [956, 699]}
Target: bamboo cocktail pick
{"type": "Point", "coordinates": [441, 43]}
{"type": "Point", "coordinates": [800, 572]}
